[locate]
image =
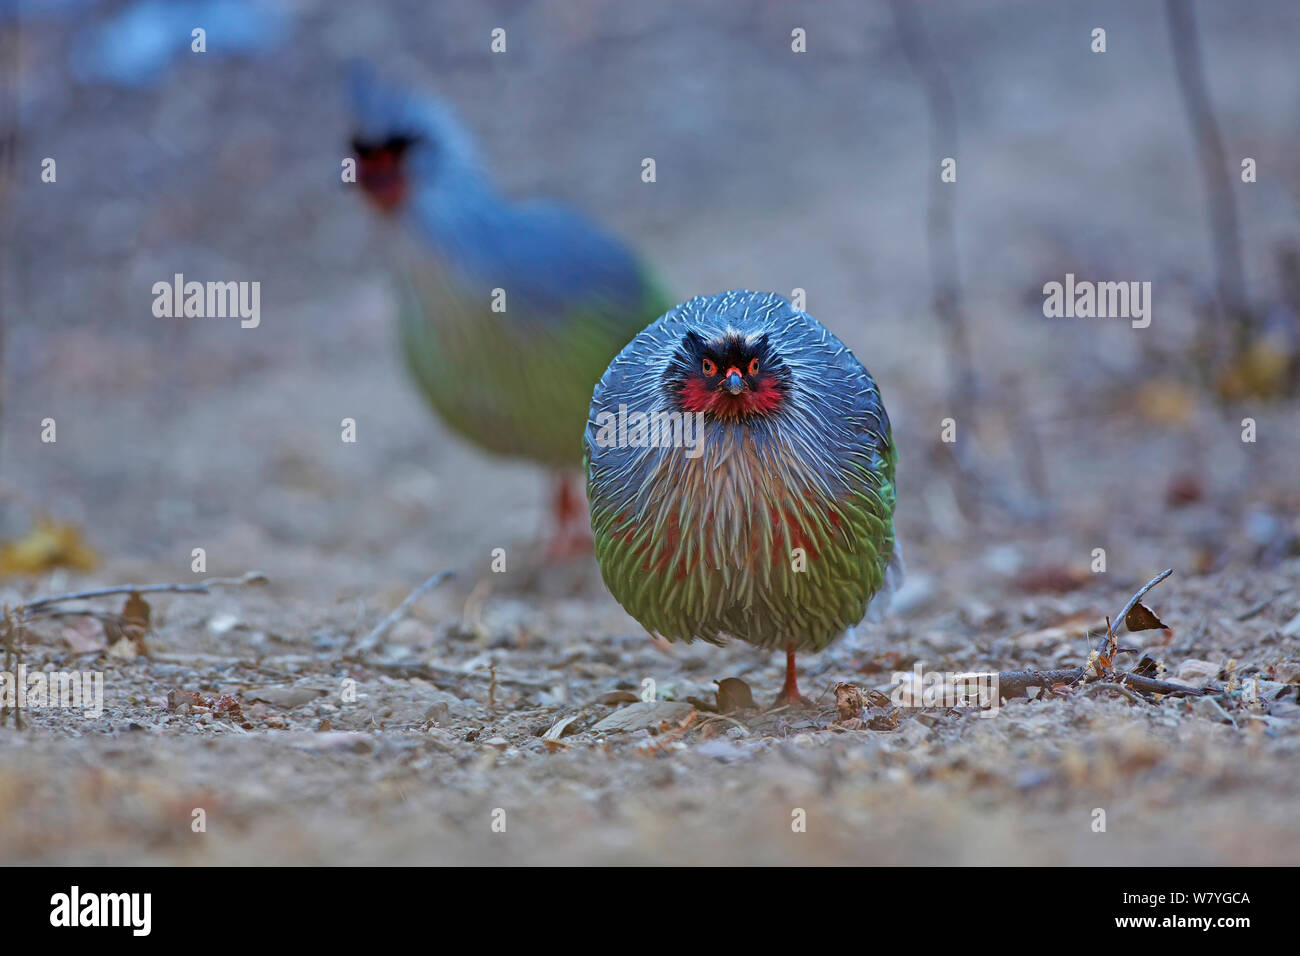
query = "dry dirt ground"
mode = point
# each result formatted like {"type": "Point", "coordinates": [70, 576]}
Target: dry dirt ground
{"type": "Point", "coordinates": [774, 173]}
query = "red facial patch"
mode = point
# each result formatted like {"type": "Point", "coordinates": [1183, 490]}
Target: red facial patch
{"type": "Point", "coordinates": [381, 175]}
{"type": "Point", "coordinates": [763, 398]}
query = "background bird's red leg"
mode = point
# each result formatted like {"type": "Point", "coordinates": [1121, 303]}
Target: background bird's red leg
{"type": "Point", "coordinates": [572, 537]}
{"type": "Point", "coordinates": [790, 689]}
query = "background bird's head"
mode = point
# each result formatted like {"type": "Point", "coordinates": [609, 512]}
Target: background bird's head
{"type": "Point", "coordinates": [404, 142]}
{"type": "Point", "coordinates": [730, 376]}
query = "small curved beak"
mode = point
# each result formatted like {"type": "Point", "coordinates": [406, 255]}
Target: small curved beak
{"type": "Point", "coordinates": [733, 382]}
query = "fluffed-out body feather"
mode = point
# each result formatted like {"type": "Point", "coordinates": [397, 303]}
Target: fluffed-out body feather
{"type": "Point", "coordinates": [780, 532]}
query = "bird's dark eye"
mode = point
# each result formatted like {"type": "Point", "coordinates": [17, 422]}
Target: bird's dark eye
{"type": "Point", "coordinates": [753, 366]}
{"type": "Point", "coordinates": [709, 367]}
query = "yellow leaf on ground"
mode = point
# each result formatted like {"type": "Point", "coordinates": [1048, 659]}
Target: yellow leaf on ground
{"type": "Point", "coordinates": [48, 545]}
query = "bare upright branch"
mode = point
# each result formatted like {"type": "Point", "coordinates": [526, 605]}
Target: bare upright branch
{"type": "Point", "coordinates": [1220, 203]}
{"type": "Point", "coordinates": [942, 238]}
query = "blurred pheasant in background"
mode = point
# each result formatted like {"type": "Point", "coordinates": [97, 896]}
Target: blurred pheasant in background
{"type": "Point", "coordinates": [777, 526]}
{"type": "Point", "coordinates": [509, 311]}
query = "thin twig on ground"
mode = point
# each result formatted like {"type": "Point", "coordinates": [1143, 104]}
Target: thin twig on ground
{"type": "Point", "coordinates": [203, 587]}
{"type": "Point", "coordinates": [1119, 620]}
{"type": "Point", "coordinates": [1262, 605]}
{"type": "Point", "coordinates": [1014, 683]}
{"type": "Point", "coordinates": [372, 640]}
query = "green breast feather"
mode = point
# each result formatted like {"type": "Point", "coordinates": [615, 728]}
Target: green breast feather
{"type": "Point", "coordinates": [753, 556]}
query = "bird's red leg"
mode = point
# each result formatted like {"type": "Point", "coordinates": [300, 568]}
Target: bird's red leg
{"type": "Point", "coordinates": [790, 689]}
{"type": "Point", "coordinates": [571, 538]}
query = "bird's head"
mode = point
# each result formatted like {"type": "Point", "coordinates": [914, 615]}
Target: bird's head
{"type": "Point", "coordinates": [732, 376]}
{"type": "Point", "coordinates": [403, 142]}
{"type": "Point", "coordinates": [382, 170]}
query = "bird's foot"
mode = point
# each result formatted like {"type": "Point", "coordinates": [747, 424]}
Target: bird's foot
{"type": "Point", "coordinates": [791, 698]}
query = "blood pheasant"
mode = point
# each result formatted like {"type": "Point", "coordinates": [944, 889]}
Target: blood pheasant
{"type": "Point", "coordinates": [509, 310]}
{"type": "Point", "coordinates": [774, 522]}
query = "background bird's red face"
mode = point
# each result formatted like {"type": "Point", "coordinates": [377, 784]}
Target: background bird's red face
{"type": "Point", "coordinates": [381, 171]}
{"type": "Point", "coordinates": [732, 377]}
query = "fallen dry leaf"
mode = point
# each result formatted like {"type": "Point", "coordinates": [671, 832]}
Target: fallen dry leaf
{"type": "Point", "coordinates": [1142, 618]}
{"type": "Point", "coordinates": [887, 721]}
{"type": "Point", "coordinates": [136, 611]}
{"type": "Point", "coordinates": [181, 702]}
{"type": "Point", "coordinates": [48, 545]}
{"type": "Point", "coordinates": [134, 627]}
{"type": "Point", "coordinates": [877, 699]}
{"type": "Point", "coordinates": [848, 701]}
{"type": "Point", "coordinates": [733, 695]}
{"type": "Point", "coordinates": [1148, 666]}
